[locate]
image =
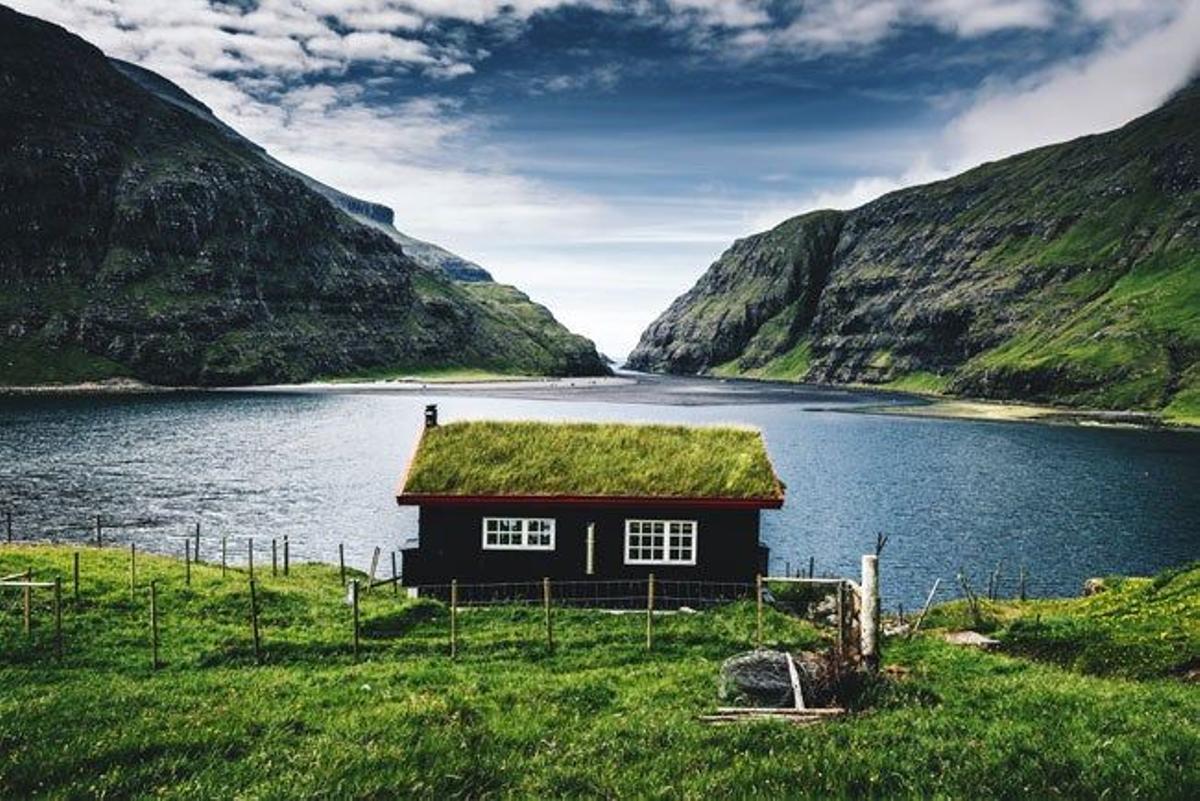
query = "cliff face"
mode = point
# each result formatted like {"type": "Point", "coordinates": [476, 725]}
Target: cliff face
{"type": "Point", "coordinates": [139, 238]}
{"type": "Point", "coordinates": [1067, 274]}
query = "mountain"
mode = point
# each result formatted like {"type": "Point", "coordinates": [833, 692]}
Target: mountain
{"type": "Point", "coordinates": [140, 236]}
{"type": "Point", "coordinates": [1069, 274]}
{"type": "Point", "coordinates": [376, 215]}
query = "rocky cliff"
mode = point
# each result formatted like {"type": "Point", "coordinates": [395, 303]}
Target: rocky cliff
{"type": "Point", "coordinates": [140, 237]}
{"type": "Point", "coordinates": [1068, 274]}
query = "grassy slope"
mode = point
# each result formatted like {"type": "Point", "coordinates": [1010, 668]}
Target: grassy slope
{"type": "Point", "coordinates": [597, 717]}
{"type": "Point", "coordinates": [531, 458]}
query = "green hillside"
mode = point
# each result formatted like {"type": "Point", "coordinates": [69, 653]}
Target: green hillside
{"type": "Point", "coordinates": [596, 716]}
{"type": "Point", "coordinates": [140, 237]}
{"type": "Point", "coordinates": [1066, 275]}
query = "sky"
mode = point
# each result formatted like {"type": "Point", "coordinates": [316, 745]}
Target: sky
{"type": "Point", "coordinates": [600, 154]}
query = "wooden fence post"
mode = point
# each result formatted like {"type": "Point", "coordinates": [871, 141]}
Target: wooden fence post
{"type": "Point", "coordinates": [250, 551]}
{"type": "Point", "coordinates": [58, 643]}
{"type": "Point", "coordinates": [132, 569]}
{"type": "Point", "coordinates": [841, 618]}
{"type": "Point", "coordinates": [254, 623]}
{"type": "Point", "coordinates": [374, 567]}
{"type": "Point", "coordinates": [758, 616]}
{"type": "Point", "coordinates": [812, 566]}
{"type": "Point", "coordinates": [650, 612]}
{"type": "Point", "coordinates": [286, 560]}
{"type": "Point", "coordinates": [274, 559]}
{"type": "Point", "coordinates": [342, 561]}
{"type": "Point", "coordinates": [869, 611]}
{"type": "Point", "coordinates": [224, 543]}
{"type": "Point", "coordinates": [187, 561]}
{"type": "Point", "coordinates": [28, 602]}
{"type": "Point", "coordinates": [75, 574]}
{"type": "Point", "coordinates": [546, 604]}
{"type": "Point", "coordinates": [1021, 584]}
{"type": "Point", "coordinates": [453, 618]}
{"type": "Point", "coordinates": [354, 603]}
{"type": "Point", "coordinates": [196, 550]}
{"type": "Point", "coordinates": [154, 624]}
{"type": "Point", "coordinates": [395, 576]}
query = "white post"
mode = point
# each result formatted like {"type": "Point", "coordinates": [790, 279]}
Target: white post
{"type": "Point", "coordinates": [591, 549]}
{"type": "Point", "coordinates": [868, 620]}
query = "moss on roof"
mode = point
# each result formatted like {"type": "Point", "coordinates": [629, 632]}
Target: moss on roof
{"type": "Point", "coordinates": [592, 459]}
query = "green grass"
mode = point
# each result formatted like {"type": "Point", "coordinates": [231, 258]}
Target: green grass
{"type": "Point", "coordinates": [28, 362]}
{"type": "Point", "coordinates": [607, 459]}
{"type": "Point", "coordinates": [596, 717]}
{"type": "Point", "coordinates": [1136, 627]}
{"type": "Point", "coordinates": [923, 383]}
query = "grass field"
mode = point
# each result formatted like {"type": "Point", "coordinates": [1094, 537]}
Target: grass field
{"type": "Point", "coordinates": [596, 716]}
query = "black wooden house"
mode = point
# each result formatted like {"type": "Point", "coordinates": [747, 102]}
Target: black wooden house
{"type": "Point", "coordinates": [519, 501]}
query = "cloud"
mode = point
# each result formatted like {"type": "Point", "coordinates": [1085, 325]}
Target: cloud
{"type": "Point", "coordinates": [1148, 53]}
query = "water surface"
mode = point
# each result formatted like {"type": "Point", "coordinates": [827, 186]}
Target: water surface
{"type": "Point", "coordinates": [1065, 502]}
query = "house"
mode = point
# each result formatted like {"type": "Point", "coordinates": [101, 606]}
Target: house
{"type": "Point", "coordinates": [585, 502]}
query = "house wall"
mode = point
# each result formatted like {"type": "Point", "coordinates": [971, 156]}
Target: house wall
{"type": "Point", "coordinates": [451, 545]}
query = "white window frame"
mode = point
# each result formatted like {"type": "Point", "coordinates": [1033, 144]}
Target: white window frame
{"type": "Point", "coordinates": [692, 532]}
{"type": "Point", "coordinates": [518, 533]}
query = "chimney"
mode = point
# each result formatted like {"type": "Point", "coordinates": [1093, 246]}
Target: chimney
{"type": "Point", "coordinates": [431, 415]}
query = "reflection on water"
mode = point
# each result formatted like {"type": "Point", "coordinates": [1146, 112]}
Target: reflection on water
{"type": "Point", "coordinates": [1065, 502]}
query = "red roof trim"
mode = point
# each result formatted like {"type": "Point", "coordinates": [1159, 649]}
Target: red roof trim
{"type": "Point", "coordinates": [417, 499]}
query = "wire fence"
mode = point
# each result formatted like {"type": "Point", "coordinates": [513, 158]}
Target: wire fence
{"type": "Point", "coordinates": [601, 593]}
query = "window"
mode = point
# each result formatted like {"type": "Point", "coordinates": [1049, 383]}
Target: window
{"type": "Point", "coordinates": [660, 542]}
{"type": "Point", "coordinates": [518, 533]}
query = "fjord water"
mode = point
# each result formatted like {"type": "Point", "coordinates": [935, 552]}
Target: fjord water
{"type": "Point", "coordinates": [1064, 502]}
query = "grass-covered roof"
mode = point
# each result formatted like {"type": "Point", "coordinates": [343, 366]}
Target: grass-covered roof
{"type": "Point", "coordinates": [582, 460]}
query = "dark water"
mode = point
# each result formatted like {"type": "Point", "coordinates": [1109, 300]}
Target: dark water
{"type": "Point", "coordinates": [1065, 502]}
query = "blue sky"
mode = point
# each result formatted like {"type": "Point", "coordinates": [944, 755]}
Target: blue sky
{"type": "Point", "coordinates": [601, 153]}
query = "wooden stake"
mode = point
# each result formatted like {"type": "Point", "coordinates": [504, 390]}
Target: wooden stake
{"type": "Point", "coordinates": [841, 618]}
{"type": "Point", "coordinates": [794, 676]}
{"type": "Point", "coordinates": [342, 561]}
{"type": "Point", "coordinates": [132, 569]}
{"type": "Point", "coordinates": [250, 546]}
{"type": "Point", "coordinates": [58, 644]}
{"type": "Point", "coordinates": [374, 567]}
{"type": "Point", "coordinates": [28, 601]}
{"type": "Point", "coordinates": [254, 623]}
{"type": "Point", "coordinates": [812, 566]}
{"type": "Point", "coordinates": [1021, 584]}
{"type": "Point", "coordinates": [546, 604]}
{"type": "Point", "coordinates": [921, 615]}
{"type": "Point", "coordinates": [285, 554]}
{"type": "Point", "coordinates": [758, 635]}
{"type": "Point", "coordinates": [395, 576]}
{"type": "Point", "coordinates": [650, 612]}
{"type": "Point", "coordinates": [196, 550]}
{"type": "Point", "coordinates": [274, 559]}
{"type": "Point", "coordinates": [187, 562]}
{"type": "Point", "coordinates": [154, 624]}
{"type": "Point", "coordinates": [869, 612]}
{"type": "Point", "coordinates": [75, 573]}
{"type": "Point", "coordinates": [453, 618]}
{"type": "Point", "coordinates": [224, 543]}
{"type": "Point", "coordinates": [354, 603]}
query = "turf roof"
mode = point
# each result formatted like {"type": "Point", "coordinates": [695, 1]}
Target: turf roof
{"type": "Point", "coordinates": [488, 458]}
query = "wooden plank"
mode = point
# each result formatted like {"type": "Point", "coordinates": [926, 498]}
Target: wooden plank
{"type": "Point", "coordinates": [831, 711]}
{"type": "Point", "coordinates": [794, 675]}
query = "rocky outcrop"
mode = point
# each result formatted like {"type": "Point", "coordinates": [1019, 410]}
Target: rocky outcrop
{"type": "Point", "coordinates": [139, 238]}
{"type": "Point", "coordinates": [1067, 274]}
